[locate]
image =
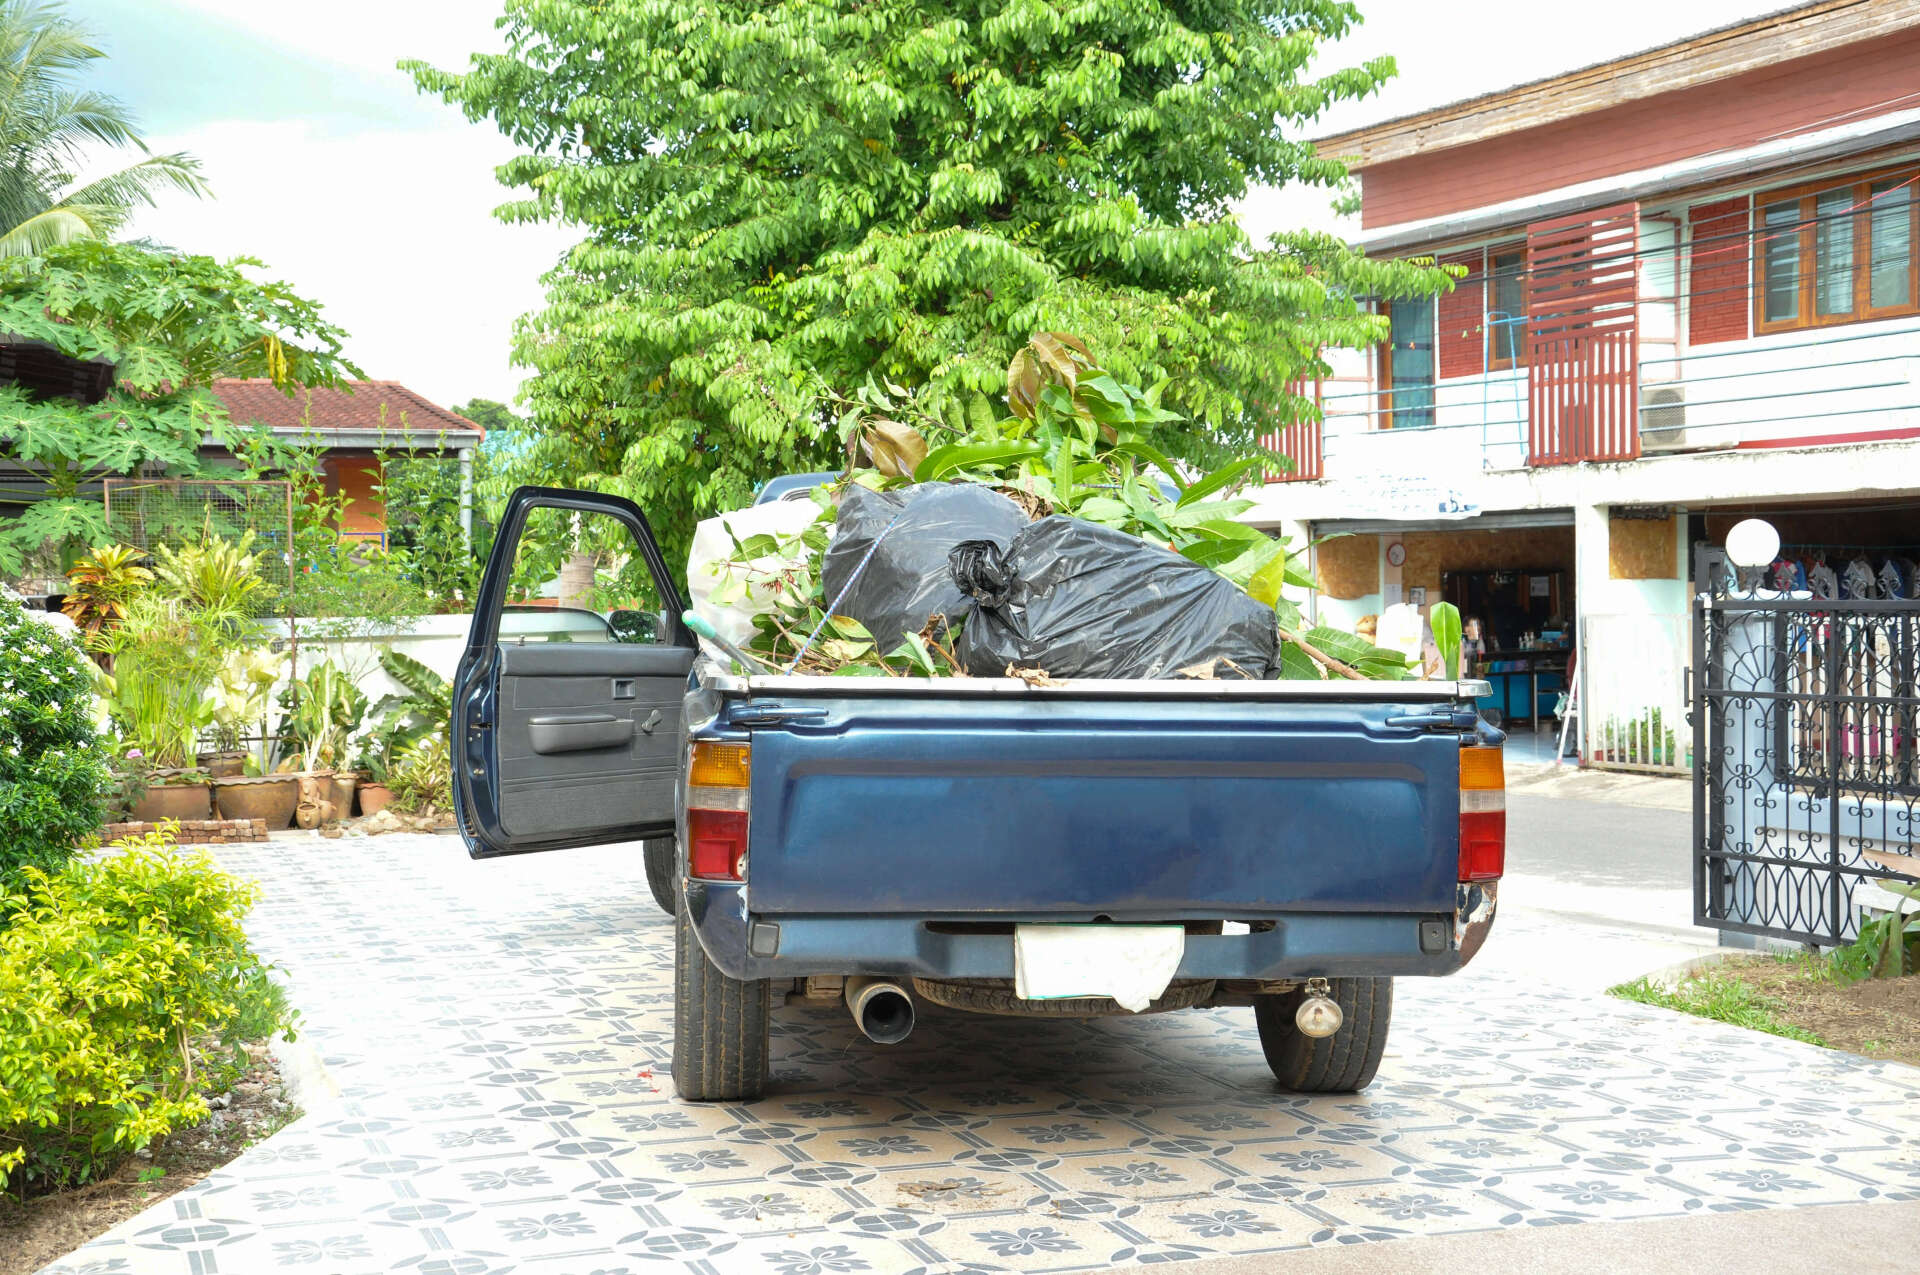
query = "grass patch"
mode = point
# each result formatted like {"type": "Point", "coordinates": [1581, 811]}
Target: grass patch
{"type": "Point", "coordinates": [1720, 997]}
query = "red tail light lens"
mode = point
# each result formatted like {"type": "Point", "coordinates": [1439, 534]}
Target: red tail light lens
{"type": "Point", "coordinates": [1483, 814]}
{"type": "Point", "coordinates": [717, 844]}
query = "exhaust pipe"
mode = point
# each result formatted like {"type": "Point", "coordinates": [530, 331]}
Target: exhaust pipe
{"type": "Point", "coordinates": [881, 1009]}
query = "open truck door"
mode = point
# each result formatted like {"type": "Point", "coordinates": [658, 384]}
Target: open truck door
{"type": "Point", "coordinates": [566, 726]}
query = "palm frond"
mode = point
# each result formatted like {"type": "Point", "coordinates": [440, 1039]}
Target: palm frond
{"type": "Point", "coordinates": [67, 121]}
{"type": "Point", "coordinates": [136, 183]}
{"type": "Point", "coordinates": [54, 226]}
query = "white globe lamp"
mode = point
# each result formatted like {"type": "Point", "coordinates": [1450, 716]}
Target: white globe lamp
{"type": "Point", "coordinates": [1752, 543]}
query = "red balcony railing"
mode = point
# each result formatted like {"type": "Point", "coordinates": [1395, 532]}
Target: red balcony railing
{"type": "Point", "coordinates": [1299, 441]}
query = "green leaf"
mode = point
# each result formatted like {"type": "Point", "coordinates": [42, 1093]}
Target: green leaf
{"type": "Point", "coordinates": [1345, 647]}
{"type": "Point", "coordinates": [1210, 511]}
{"type": "Point", "coordinates": [1213, 553]}
{"type": "Point", "coordinates": [954, 457]}
{"type": "Point", "coordinates": [1224, 529]}
{"type": "Point", "coordinates": [1220, 479]}
{"type": "Point", "coordinates": [1135, 448]}
{"type": "Point", "coordinates": [1445, 618]}
{"type": "Point", "coordinates": [1104, 509]}
{"type": "Point", "coordinates": [1297, 666]}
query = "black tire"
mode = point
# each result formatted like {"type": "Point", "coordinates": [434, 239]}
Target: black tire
{"type": "Point", "coordinates": [719, 1026]}
{"type": "Point", "coordinates": [659, 857]}
{"type": "Point", "coordinates": [1344, 1062]}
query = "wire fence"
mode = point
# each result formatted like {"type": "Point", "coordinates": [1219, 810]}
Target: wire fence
{"type": "Point", "coordinates": [178, 513]}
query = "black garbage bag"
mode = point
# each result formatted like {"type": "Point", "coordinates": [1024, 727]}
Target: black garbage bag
{"type": "Point", "coordinates": [909, 532]}
{"type": "Point", "coordinates": [1081, 600]}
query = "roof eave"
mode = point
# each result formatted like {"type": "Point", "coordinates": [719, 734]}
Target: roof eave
{"type": "Point", "coordinates": [1834, 143]}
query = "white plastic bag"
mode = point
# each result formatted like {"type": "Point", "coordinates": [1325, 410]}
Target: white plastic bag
{"type": "Point", "coordinates": [729, 595]}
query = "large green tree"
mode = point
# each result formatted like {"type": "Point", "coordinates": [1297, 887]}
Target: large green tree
{"type": "Point", "coordinates": [49, 126]}
{"type": "Point", "coordinates": [169, 326]}
{"type": "Point", "coordinates": [781, 199]}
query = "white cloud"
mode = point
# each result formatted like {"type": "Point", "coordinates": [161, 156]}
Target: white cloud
{"type": "Point", "coordinates": [391, 231]}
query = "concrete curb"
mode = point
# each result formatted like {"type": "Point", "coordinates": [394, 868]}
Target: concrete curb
{"type": "Point", "coordinates": [309, 1085]}
{"type": "Point", "coordinates": [1671, 976]}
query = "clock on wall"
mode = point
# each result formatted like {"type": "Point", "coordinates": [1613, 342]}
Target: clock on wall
{"type": "Point", "coordinates": [1396, 554]}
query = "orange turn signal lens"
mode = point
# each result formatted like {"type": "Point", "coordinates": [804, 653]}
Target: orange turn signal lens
{"type": "Point", "coordinates": [719, 766]}
{"type": "Point", "coordinates": [1482, 768]}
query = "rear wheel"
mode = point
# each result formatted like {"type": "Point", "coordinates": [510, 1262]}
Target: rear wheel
{"type": "Point", "coordinates": [1344, 1062]}
{"type": "Point", "coordinates": [659, 856]}
{"type": "Point", "coordinates": [719, 1025]}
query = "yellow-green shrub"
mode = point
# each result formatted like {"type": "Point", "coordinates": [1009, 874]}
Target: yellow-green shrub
{"type": "Point", "coordinates": [126, 989]}
{"type": "Point", "coordinates": [52, 762]}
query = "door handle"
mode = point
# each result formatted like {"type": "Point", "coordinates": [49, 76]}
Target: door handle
{"type": "Point", "coordinates": [1462, 720]}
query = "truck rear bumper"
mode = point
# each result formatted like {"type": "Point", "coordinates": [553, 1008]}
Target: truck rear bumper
{"type": "Point", "coordinates": [1299, 945]}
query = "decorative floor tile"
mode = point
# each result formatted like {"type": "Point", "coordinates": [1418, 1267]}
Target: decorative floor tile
{"type": "Point", "coordinates": [501, 1037]}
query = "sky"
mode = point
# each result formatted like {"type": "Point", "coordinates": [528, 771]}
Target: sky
{"type": "Point", "coordinates": [377, 202]}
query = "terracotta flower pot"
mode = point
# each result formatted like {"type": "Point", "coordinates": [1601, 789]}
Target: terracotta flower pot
{"type": "Point", "coordinates": [344, 782]}
{"type": "Point", "coordinates": [224, 765]}
{"type": "Point", "coordinates": [315, 805]}
{"type": "Point", "coordinates": [374, 798]}
{"type": "Point", "coordinates": [270, 798]}
{"type": "Point", "coordinates": [172, 801]}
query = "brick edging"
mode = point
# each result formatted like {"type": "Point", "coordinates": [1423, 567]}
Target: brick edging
{"type": "Point", "coordinates": [195, 832]}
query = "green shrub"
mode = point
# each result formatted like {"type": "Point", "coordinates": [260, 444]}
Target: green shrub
{"type": "Point", "coordinates": [52, 761]}
{"type": "Point", "coordinates": [127, 989]}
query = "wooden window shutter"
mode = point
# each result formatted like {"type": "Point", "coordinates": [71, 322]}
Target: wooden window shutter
{"type": "Point", "coordinates": [1719, 306]}
{"type": "Point", "coordinates": [1461, 331]}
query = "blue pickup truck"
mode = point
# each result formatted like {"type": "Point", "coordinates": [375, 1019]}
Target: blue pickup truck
{"type": "Point", "coordinates": [981, 843]}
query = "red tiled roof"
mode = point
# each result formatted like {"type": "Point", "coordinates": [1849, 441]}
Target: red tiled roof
{"type": "Point", "coordinates": [355, 406]}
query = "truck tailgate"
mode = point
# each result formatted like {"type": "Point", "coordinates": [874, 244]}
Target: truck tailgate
{"type": "Point", "coordinates": [1162, 806]}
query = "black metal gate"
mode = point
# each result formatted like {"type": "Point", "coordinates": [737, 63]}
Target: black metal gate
{"type": "Point", "coordinates": [1804, 717]}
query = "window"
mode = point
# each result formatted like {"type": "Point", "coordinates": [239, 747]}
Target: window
{"type": "Point", "coordinates": [1407, 367]}
{"type": "Point", "coordinates": [576, 578]}
{"type": "Point", "coordinates": [1507, 306]}
{"type": "Point", "coordinates": [1833, 253]}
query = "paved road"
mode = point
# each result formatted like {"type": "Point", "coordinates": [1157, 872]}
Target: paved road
{"type": "Point", "coordinates": [497, 1037]}
{"type": "Point", "coordinates": [1598, 843]}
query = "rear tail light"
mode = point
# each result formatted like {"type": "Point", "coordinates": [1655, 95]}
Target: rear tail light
{"type": "Point", "coordinates": [1483, 814]}
{"type": "Point", "coordinates": [717, 786]}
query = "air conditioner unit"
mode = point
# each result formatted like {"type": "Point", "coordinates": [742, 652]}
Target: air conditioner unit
{"type": "Point", "coordinates": [1663, 418]}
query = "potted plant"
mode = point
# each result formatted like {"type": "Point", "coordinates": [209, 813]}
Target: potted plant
{"type": "Point", "coordinates": [422, 776]}
{"type": "Point", "coordinates": [322, 710]}
{"type": "Point", "coordinates": [371, 763]}
{"type": "Point", "coordinates": [177, 794]}
{"type": "Point", "coordinates": [420, 709]}
{"type": "Point", "coordinates": [240, 702]}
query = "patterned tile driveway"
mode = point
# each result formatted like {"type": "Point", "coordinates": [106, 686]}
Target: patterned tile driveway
{"type": "Point", "coordinates": [499, 1034]}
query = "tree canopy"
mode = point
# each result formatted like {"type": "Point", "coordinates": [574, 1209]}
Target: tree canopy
{"type": "Point", "coordinates": [170, 326]}
{"type": "Point", "coordinates": [47, 125]}
{"type": "Point", "coordinates": [783, 200]}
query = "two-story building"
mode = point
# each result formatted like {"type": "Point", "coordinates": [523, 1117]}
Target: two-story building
{"type": "Point", "coordinates": [1690, 295]}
